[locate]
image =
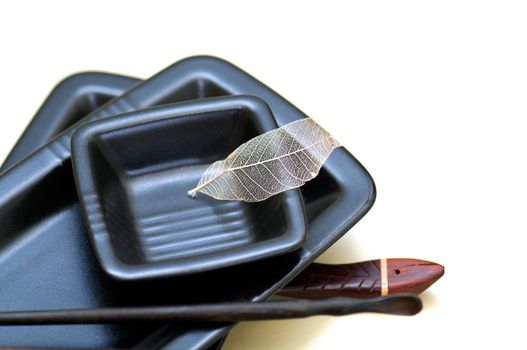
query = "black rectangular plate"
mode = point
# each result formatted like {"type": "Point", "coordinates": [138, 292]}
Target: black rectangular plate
{"type": "Point", "coordinates": [46, 261]}
{"type": "Point", "coordinates": [70, 101]}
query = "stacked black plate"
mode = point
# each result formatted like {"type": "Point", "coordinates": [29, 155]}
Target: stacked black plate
{"type": "Point", "coordinates": [47, 260]}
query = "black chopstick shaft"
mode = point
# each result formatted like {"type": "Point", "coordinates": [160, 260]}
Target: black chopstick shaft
{"type": "Point", "coordinates": [398, 304]}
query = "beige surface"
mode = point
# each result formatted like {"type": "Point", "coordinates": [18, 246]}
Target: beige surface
{"type": "Point", "coordinates": [431, 98]}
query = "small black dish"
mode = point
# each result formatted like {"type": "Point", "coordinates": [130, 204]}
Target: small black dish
{"type": "Point", "coordinates": [133, 173]}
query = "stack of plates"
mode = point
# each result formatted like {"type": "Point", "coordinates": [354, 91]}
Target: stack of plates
{"type": "Point", "coordinates": [112, 227]}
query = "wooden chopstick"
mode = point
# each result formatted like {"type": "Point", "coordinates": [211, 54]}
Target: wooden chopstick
{"type": "Point", "coordinates": [396, 304]}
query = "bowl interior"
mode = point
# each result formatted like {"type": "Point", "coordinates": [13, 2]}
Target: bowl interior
{"type": "Point", "coordinates": [142, 175]}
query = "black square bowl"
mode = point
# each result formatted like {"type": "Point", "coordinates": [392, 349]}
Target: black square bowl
{"type": "Point", "coordinates": [133, 173]}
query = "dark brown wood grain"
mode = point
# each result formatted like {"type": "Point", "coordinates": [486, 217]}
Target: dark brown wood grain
{"type": "Point", "coordinates": [363, 279]}
{"type": "Point", "coordinates": [412, 276]}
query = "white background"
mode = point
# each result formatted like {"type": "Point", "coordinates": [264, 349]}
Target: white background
{"type": "Point", "coordinates": [430, 96]}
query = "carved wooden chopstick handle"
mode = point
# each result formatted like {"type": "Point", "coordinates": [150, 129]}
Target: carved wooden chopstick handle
{"type": "Point", "coordinates": [364, 279]}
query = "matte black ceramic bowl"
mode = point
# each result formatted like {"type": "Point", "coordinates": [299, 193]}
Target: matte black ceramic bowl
{"type": "Point", "coordinates": [133, 173]}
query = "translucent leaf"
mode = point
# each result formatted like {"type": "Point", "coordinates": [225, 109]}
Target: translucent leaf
{"type": "Point", "coordinates": [268, 164]}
